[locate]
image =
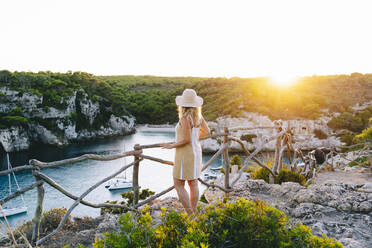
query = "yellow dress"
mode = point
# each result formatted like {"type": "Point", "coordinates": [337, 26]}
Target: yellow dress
{"type": "Point", "coordinates": [188, 158]}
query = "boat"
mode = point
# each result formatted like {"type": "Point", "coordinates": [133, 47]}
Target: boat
{"type": "Point", "coordinates": [115, 180]}
{"type": "Point", "coordinates": [216, 168]}
{"type": "Point", "coordinates": [208, 176]}
{"type": "Point", "coordinates": [119, 182]}
{"type": "Point", "coordinates": [5, 212]}
{"type": "Point", "coordinates": [121, 185]}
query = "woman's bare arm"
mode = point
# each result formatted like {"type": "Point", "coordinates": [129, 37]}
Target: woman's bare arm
{"type": "Point", "coordinates": [186, 127]}
{"type": "Point", "coordinates": [204, 131]}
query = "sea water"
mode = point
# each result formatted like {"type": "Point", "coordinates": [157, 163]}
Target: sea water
{"type": "Point", "coordinates": [78, 177]}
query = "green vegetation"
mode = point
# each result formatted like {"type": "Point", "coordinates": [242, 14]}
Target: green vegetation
{"type": "Point", "coordinates": [354, 125]}
{"type": "Point", "coordinates": [361, 161]}
{"type": "Point", "coordinates": [14, 118]}
{"type": "Point", "coordinates": [128, 197]}
{"type": "Point", "coordinates": [50, 219]}
{"type": "Point", "coordinates": [248, 137]}
{"type": "Point", "coordinates": [235, 160]}
{"type": "Point", "coordinates": [240, 224]}
{"type": "Point", "coordinates": [152, 99]}
{"type": "Point", "coordinates": [285, 175]}
{"type": "Point", "coordinates": [354, 121]}
{"type": "Point", "coordinates": [320, 134]}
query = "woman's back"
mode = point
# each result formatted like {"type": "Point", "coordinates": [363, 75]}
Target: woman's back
{"type": "Point", "coordinates": [188, 158]}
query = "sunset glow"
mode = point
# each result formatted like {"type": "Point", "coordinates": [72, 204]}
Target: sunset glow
{"type": "Point", "coordinates": [283, 80]}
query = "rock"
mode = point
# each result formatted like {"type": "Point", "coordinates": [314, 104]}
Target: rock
{"type": "Point", "coordinates": [351, 243]}
{"type": "Point", "coordinates": [303, 131]}
{"type": "Point", "coordinates": [366, 188]}
{"type": "Point", "coordinates": [109, 224]}
{"type": "Point", "coordinates": [14, 139]}
{"type": "Point", "coordinates": [335, 209]}
{"type": "Point", "coordinates": [365, 207]}
{"type": "Point", "coordinates": [319, 229]}
{"type": "Point", "coordinates": [61, 129]}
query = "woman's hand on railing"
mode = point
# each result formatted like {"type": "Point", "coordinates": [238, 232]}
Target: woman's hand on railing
{"type": "Point", "coordinates": [167, 145]}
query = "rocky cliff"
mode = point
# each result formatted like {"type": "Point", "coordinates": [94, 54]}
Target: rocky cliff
{"type": "Point", "coordinates": [307, 134]}
{"type": "Point", "coordinates": [81, 118]}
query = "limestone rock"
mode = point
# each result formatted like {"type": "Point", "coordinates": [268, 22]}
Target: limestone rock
{"type": "Point", "coordinates": [303, 131]}
{"type": "Point", "coordinates": [14, 138]}
{"type": "Point", "coordinates": [61, 129]}
{"type": "Point", "coordinates": [335, 209]}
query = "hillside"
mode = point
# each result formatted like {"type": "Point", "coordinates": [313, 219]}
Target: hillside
{"type": "Point", "coordinates": [58, 108]}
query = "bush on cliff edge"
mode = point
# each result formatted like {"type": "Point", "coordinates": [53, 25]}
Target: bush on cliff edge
{"type": "Point", "coordinates": [240, 224]}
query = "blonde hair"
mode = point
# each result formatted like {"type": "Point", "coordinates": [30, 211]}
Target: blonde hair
{"type": "Point", "coordinates": [190, 112]}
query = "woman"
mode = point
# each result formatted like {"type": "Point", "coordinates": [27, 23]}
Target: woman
{"type": "Point", "coordinates": [190, 128]}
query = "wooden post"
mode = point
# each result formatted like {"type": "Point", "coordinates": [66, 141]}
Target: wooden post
{"type": "Point", "coordinates": [278, 144]}
{"type": "Point", "coordinates": [39, 206]}
{"type": "Point", "coordinates": [135, 175]}
{"type": "Point", "coordinates": [226, 158]}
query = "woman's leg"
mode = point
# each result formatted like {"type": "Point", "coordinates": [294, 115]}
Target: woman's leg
{"type": "Point", "coordinates": [182, 194]}
{"type": "Point", "coordinates": [194, 193]}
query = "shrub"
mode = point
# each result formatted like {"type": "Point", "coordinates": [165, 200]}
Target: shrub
{"type": "Point", "coordinates": [236, 160]}
{"type": "Point", "coordinates": [363, 161]}
{"type": "Point", "coordinates": [128, 196]}
{"type": "Point", "coordinates": [49, 221]}
{"type": "Point", "coordinates": [286, 175]}
{"type": "Point", "coordinates": [10, 120]}
{"type": "Point", "coordinates": [240, 224]}
{"type": "Point", "coordinates": [366, 135]}
{"type": "Point", "coordinates": [348, 138]}
{"type": "Point", "coordinates": [320, 134]}
{"type": "Point", "coordinates": [261, 173]}
{"type": "Point", "coordinates": [248, 137]}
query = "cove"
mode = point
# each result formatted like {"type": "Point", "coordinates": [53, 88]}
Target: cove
{"type": "Point", "coordinates": [78, 177]}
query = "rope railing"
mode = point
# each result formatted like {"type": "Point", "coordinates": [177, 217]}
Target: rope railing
{"type": "Point", "coordinates": [282, 137]}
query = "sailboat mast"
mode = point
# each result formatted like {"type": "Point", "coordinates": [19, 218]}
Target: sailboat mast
{"type": "Point", "coordinates": [15, 180]}
{"type": "Point", "coordinates": [10, 183]}
{"type": "Point", "coordinates": [125, 163]}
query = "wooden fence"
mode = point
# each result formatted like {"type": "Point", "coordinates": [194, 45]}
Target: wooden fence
{"type": "Point", "coordinates": [283, 142]}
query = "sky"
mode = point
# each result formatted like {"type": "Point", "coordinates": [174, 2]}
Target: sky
{"type": "Point", "coordinates": [215, 38]}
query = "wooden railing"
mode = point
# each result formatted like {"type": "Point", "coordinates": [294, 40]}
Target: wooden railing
{"type": "Point", "coordinates": [283, 140]}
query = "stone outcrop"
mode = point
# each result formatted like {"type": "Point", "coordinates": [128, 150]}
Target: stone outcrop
{"type": "Point", "coordinates": [303, 132]}
{"type": "Point", "coordinates": [342, 211]}
{"type": "Point", "coordinates": [62, 128]}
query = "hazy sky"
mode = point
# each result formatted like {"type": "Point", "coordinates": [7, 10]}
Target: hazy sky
{"type": "Point", "coordinates": [187, 38]}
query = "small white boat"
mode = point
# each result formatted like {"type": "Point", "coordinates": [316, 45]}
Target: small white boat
{"type": "Point", "coordinates": [119, 182]}
{"type": "Point", "coordinates": [115, 180]}
{"type": "Point", "coordinates": [121, 185]}
{"type": "Point", "coordinates": [12, 211]}
{"type": "Point", "coordinates": [216, 168]}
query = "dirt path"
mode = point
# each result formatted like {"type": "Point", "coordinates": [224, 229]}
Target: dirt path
{"type": "Point", "coordinates": [344, 177]}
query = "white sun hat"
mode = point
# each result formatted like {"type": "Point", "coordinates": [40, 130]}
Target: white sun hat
{"type": "Point", "coordinates": [189, 99]}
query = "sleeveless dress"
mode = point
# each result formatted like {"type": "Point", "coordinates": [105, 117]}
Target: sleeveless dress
{"type": "Point", "coordinates": [188, 158]}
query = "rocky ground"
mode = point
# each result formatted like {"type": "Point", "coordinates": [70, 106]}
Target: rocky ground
{"type": "Point", "coordinates": [339, 210]}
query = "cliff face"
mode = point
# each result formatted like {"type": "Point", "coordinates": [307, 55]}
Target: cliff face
{"type": "Point", "coordinates": [82, 118]}
{"type": "Point", "coordinates": [304, 132]}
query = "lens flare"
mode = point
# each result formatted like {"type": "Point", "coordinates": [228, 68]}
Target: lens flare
{"type": "Point", "coordinates": [283, 80]}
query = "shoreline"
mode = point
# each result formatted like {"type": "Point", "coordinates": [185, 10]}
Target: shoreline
{"type": "Point", "coordinates": [156, 128]}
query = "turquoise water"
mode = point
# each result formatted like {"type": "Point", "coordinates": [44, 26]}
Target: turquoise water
{"type": "Point", "coordinates": [78, 177]}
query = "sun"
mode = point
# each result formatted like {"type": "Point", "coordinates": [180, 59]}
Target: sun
{"type": "Point", "coordinates": [283, 80]}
